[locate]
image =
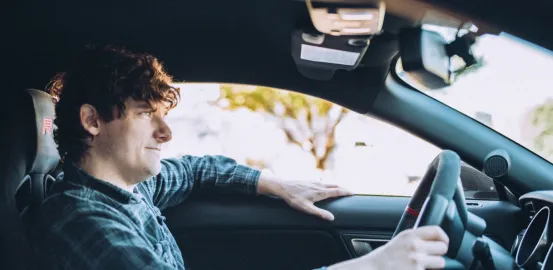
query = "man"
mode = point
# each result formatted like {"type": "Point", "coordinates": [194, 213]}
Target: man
{"type": "Point", "coordinates": [105, 211]}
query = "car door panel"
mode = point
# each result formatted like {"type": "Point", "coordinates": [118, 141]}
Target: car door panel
{"type": "Point", "coordinates": [238, 232]}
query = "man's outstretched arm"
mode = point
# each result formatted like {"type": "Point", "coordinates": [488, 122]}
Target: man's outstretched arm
{"type": "Point", "coordinates": [180, 177]}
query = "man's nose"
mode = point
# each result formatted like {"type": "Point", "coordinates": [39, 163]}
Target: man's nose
{"type": "Point", "coordinates": [163, 131]}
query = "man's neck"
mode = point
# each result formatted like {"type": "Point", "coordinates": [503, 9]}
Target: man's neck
{"type": "Point", "coordinates": [103, 169]}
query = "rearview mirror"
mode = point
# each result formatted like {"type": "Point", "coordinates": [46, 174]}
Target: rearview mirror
{"type": "Point", "coordinates": [424, 57]}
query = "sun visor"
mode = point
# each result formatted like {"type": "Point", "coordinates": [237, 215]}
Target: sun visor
{"type": "Point", "coordinates": [337, 36]}
{"type": "Point", "coordinates": [318, 56]}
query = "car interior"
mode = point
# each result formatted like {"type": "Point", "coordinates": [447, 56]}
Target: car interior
{"type": "Point", "coordinates": [302, 46]}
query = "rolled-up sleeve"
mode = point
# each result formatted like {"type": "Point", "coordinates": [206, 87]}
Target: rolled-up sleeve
{"type": "Point", "coordinates": [179, 177]}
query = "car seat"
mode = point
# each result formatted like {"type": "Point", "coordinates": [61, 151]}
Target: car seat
{"type": "Point", "coordinates": [28, 160]}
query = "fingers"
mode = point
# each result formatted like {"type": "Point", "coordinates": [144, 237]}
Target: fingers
{"type": "Point", "coordinates": [430, 262]}
{"type": "Point", "coordinates": [332, 187]}
{"type": "Point", "coordinates": [337, 192]}
{"type": "Point", "coordinates": [428, 247]}
{"type": "Point", "coordinates": [432, 233]}
{"type": "Point", "coordinates": [320, 212]}
{"type": "Point", "coordinates": [432, 247]}
{"type": "Point", "coordinates": [304, 195]}
{"type": "Point", "coordinates": [331, 193]}
{"type": "Point", "coordinates": [310, 208]}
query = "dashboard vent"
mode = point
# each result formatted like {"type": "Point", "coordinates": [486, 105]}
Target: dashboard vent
{"type": "Point", "coordinates": [474, 204]}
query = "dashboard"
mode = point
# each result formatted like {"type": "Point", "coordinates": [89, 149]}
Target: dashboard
{"type": "Point", "coordinates": [533, 248]}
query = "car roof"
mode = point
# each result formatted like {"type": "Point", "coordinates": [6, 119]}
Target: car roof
{"type": "Point", "coordinates": [244, 42]}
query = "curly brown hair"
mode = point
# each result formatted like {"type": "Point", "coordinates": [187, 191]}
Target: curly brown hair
{"type": "Point", "coordinates": [104, 77]}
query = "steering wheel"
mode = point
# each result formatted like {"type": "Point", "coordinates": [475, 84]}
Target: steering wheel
{"type": "Point", "coordinates": [440, 200]}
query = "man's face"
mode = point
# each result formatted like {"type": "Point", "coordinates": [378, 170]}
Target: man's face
{"type": "Point", "coordinates": [133, 142]}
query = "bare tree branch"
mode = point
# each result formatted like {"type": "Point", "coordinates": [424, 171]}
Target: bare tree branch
{"type": "Point", "coordinates": [330, 139]}
{"type": "Point", "coordinates": [291, 138]}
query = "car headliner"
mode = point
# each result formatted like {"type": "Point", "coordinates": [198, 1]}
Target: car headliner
{"type": "Point", "coordinates": [227, 41]}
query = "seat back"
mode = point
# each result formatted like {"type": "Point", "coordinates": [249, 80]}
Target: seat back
{"type": "Point", "coordinates": [29, 157]}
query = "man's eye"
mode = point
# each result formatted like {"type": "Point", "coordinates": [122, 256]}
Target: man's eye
{"type": "Point", "coordinates": [148, 114]}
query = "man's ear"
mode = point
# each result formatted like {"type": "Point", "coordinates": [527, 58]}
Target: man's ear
{"type": "Point", "coordinates": [90, 119]}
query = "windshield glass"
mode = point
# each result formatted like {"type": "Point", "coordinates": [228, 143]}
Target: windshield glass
{"type": "Point", "coordinates": [510, 91]}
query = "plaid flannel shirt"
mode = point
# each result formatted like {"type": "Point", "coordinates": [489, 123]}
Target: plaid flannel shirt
{"type": "Point", "coordinates": [86, 223]}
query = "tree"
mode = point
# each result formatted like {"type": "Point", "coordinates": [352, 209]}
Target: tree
{"type": "Point", "coordinates": [307, 121]}
{"type": "Point", "coordinates": [543, 119]}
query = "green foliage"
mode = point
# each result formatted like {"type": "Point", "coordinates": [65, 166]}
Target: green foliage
{"type": "Point", "coordinates": [543, 119]}
{"type": "Point", "coordinates": [302, 110]}
{"type": "Point", "coordinates": [265, 99]}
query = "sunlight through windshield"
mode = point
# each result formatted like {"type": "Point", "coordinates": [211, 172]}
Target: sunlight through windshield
{"type": "Point", "coordinates": [510, 92]}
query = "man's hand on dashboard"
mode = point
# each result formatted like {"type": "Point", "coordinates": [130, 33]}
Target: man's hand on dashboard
{"type": "Point", "coordinates": [301, 195]}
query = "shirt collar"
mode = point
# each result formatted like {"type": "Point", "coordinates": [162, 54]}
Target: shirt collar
{"type": "Point", "coordinates": [75, 174]}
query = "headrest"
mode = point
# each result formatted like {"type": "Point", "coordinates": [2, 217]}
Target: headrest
{"type": "Point", "coordinates": [37, 109]}
{"type": "Point", "coordinates": [29, 155]}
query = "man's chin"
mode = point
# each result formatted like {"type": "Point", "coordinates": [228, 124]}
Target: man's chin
{"type": "Point", "coordinates": [152, 170]}
{"type": "Point", "coordinates": [155, 169]}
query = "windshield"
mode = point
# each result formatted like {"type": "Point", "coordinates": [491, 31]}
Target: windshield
{"type": "Point", "coordinates": [510, 91]}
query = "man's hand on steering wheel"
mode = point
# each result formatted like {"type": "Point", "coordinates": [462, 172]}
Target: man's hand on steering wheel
{"type": "Point", "coordinates": [412, 249]}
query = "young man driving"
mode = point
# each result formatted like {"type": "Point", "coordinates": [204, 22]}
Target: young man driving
{"type": "Point", "coordinates": [104, 212]}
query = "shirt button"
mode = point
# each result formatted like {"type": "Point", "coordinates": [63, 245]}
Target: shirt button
{"type": "Point", "coordinates": [138, 196]}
